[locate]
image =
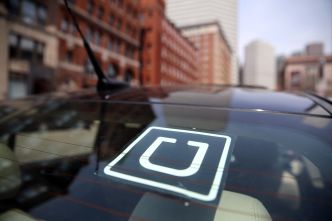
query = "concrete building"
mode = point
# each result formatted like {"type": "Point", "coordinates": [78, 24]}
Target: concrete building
{"type": "Point", "coordinates": [260, 65]}
{"type": "Point", "coordinates": [214, 52]}
{"type": "Point", "coordinates": [28, 53]}
{"type": "Point", "coordinates": [309, 73]}
{"type": "Point", "coordinates": [315, 49]}
{"type": "Point", "coordinates": [193, 12]}
{"type": "Point", "coordinates": [168, 58]}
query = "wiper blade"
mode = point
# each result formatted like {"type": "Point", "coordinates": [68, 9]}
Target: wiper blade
{"type": "Point", "coordinates": [103, 84]}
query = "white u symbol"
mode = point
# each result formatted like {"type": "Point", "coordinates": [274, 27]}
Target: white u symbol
{"type": "Point", "coordinates": [191, 170]}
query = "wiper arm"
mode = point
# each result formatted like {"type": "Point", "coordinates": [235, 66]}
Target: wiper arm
{"type": "Point", "coordinates": [103, 84]}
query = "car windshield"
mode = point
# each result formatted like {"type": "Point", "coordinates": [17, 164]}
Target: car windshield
{"type": "Point", "coordinates": [54, 160]}
{"type": "Point", "coordinates": [184, 110]}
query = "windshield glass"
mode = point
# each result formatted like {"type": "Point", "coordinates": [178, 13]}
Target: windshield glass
{"type": "Point", "coordinates": [53, 160]}
{"type": "Point", "coordinates": [184, 110]}
{"type": "Point", "coordinates": [277, 45]}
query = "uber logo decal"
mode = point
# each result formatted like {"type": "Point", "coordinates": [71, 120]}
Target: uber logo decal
{"type": "Point", "coordinates": [189, 163]}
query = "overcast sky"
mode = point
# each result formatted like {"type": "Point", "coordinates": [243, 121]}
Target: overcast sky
{"type": "Point", "coordinates": [286, 24]}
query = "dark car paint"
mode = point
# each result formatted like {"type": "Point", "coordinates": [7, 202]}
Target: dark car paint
{"type": "Point", "coordinates": [70, 187]}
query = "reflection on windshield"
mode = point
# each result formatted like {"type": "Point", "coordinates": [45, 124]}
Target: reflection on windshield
{"type": "Point", "coordinates": [52, 157]}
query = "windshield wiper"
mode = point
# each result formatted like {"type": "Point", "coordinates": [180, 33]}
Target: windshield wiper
{"type": "Point", "coordinates": [103, 84]}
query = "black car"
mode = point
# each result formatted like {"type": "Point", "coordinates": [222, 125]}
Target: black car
{"type": "Point", "coordinates": [167, 153]}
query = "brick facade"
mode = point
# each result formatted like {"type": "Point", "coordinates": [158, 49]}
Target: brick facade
{"type": "Point", "coordinates": [168, 58]}
{"type": "Point", "coordinates": [214, 52]}
{"type": "Point", "coordinates": [113, 30]}
{"type": "Point", "coordinates": [132, 40]}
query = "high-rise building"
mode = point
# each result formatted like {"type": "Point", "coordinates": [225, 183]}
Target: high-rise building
{"type": "Point", "coordinates": [167, 57]}
{"type": "Point", "coordinates": [193, 12]}
{"type": "Point", "coordinates": [214, 52]}
{"type": "Point", "coordinates": [260, 65]}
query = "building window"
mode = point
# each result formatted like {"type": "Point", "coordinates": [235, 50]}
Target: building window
{"type": "Point", "coordinates": [119, 24]}
{"type": "Point", "coordinates": [117, 45]}
{"type": "Point", "coordinates": [110, 44]}
{"type": "Point", "coordinates": [111, 71]}
{"type": "Point", "coordinates": [295, 79]}
{"type": "Point", "coordinates": [120, 3]}
{"type": "Point", "coordinates": [64, 25]}
{"type": "Point", "coordinates": [28, 11]}
{"type": "Point", "coordinates": [39, 51]}
{"type": "Point", "coordinates": [135, 14]}
{"type": "Point", "coordinates": [134, 32]}
{"type": "Point", "coordinates": [90, 7]}
{"type": "Point", "coordinates": [31, 12]}
{"type": "Point", "coordinates": [13, 6]}
{"type": "Point", "coordinates": [41, 14]}
{"type": "Point", "coordinates": [25, 48]}
{"type": "Point", "coordinates": [130, 51]}
{"type": "Point", "coordinates": [111, 19]}
{"type": "Point", "coordinates": [100, 13]}
{"type": "Point", "coordinates": [97, 38]}
{"type": "Point", "coordinates": [128, 29]}
{"type": "Point", "coordinates": [141, 18]}
{"type": "Point", "coordinates": [18, 86]}
{"type": "Point", "coordinates": [69, 56]}
{"type": "Point", "coordinates": [129, 76]}
{"type": "Point", "coordinates": [13, 45]}
{"type": "Point", "coordinates": [71, 28]}
{"type": "Point", "coordinates": [127, 52]}
{"type": "Point", "coordinates": [89, 34]}
{"type": "Point", "coordinates": [88, 67]}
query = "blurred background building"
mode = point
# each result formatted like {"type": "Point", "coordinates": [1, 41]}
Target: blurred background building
{"type": "Point", "coordinates": [144, 42]}
{"type": "Point", "coordinates": [315, 49]}
{"type": "Point", "coordinates": [215, 53]}
{"type": "Point", "coordinates": [260, 65]}
{"type": "Point", "coordinates": [42, 51]}
{"type": "Point", "coordinates": [280, 60]}
{"type": "Point", "coordinates": [113, 30]}
{"type": "Point", "coordinates": [197, 12]}
{"type": "Point", "coordinates": [309, 71]}
{"type": "Point", "coordinates": [29, 48]}
{"type": "Point", "coordinates": [133, 41]}
{"type": "Point", "coordinates": [167, 57]}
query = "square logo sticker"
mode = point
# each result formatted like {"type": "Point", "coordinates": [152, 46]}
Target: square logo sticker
{"type": "Point", "coordinates": [184, 162]}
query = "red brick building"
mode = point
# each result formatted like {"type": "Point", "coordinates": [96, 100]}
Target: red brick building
{"type": "Point", "coordinates": [214, 52]}
{"type": "Point", "coordinates": [113, 29]}
{"type": "Point", "coordinates": [168, 57]}
{"type": "Point", "coordinates": [132, 40]}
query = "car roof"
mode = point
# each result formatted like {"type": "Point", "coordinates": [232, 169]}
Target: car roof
{"type": "Point", "coordinates": [214, 96]}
